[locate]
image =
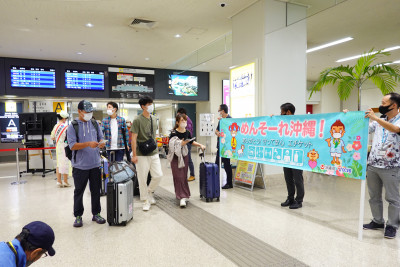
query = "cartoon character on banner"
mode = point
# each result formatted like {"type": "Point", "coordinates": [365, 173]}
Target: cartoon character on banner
{"type": "Point", "coordinates": [336, 144]}
{"type": "Point", "coordinates": [222, 137]}
{"type": "Point", "coordinates": [234, 128]}
{"type": "Point", "coordinates": [313, 156]}
{"type": "Point", "coordinates": [241, 151]}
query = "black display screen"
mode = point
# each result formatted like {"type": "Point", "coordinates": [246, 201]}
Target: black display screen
{"type": "Point", "coordinates": [84, 80]}
{"type": "Point", "coordinates": [33, 77]}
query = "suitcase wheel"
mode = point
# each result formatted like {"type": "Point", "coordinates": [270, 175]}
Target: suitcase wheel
{"type": "Point", "coordinates": [207, 199]}
{"type": "Point", "coordinates": [123, 224]}
{"type": "Point", "coordinates": [109, 224]}
{"type": "Point", "coordinates": [217, 198]}
{"type": "Point", "coordinates": [201, 196]}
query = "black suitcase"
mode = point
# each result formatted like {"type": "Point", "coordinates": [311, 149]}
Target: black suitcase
{"type": "Point", "coordinates": [136, 191]}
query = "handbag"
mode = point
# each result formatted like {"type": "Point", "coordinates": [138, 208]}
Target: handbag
{"type": "Point", "coordinates": [122, 171]}
{"type": "Point", "coordinates": [150, 144]}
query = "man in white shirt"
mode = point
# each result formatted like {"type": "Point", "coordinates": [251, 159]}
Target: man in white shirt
{"type": "Point", "coordinates": [114, 128]}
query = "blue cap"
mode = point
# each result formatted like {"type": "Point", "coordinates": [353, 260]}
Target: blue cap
{"type": "Point", "coordinates": [85, 106]}
{"type": "Point", "coordinates": [41, 235]}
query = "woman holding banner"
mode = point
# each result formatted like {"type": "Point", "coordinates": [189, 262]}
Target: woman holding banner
{"type": "Point", "coordinates": [58, 135]}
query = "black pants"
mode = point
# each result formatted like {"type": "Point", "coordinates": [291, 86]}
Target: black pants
{"type": "Point", "coordinates": [81, 178]}
{"type": "Point", "coordinates": [227, 167]}
{"type": "Point", "coordinates": [294, 182]}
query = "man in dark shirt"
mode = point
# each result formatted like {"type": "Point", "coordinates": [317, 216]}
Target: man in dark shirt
{"type": "Point", "coordinates": [223, 111]}
{"type": "Point", "coordinates": [293, 177]}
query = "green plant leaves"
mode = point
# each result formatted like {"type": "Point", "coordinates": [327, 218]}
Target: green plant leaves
{"type": "Point", "coordinates": [357, 169]}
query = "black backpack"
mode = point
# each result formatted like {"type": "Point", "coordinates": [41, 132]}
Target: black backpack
{"type": "Point", "coordinates": [68, 151]}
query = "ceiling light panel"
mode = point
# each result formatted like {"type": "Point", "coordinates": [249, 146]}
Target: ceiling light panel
{"type": "Point", "coordinates": [330, 44]}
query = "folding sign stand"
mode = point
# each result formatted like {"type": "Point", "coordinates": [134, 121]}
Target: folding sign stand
{"type": "Point", "coordinates": [246, 178]}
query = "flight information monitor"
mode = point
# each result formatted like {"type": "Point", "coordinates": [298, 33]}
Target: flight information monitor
{"type": "Point", "coordinates": [33, 77]}
{"type": "Point", "coordinates": [84, 80]}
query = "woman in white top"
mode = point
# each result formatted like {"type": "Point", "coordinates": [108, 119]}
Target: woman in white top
{"type": "Point", "coordinates": [58, 135]}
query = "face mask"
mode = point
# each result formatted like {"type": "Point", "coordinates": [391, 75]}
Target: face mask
{"type": "Point", "coordinates": [128, 125]}
{"type": "Point", "coordinates": [183, 124]}
{"type": "Point", "coordinates": [110, 112]}
{"type": "Point", "coordinates": [87, 116]}
{"type": "Point", "coordinates": [337, 135]}
{"type": "Point", "coordinates": [150, 109]}
{"type": "Point", "coordinates": [384, 109]}
{"type": "Point", "coordinates": [220, 114]}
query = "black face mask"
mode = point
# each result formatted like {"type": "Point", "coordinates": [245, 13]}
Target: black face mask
{"type": "Point", "coordinates": [384, 109]}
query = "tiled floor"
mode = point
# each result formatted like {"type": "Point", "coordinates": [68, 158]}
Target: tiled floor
{"type": "Point", "coordinates": [322, 233]}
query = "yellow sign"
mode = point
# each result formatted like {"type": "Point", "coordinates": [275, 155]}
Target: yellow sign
{"type": "Point", "coordinates": [11, 106]}
{"type": "Point", "coordinates": [58, 106]}
{"type": "Point", "coordinates": [245, 171]}
{"type": "Point", "coordinates": [243, 90]}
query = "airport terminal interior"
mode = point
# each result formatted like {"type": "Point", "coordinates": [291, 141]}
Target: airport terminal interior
{"type": "Point", "coordinates": [194, 55]}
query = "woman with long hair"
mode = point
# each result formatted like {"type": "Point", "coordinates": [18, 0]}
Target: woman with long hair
{"type": "Point", "coordinates": [179, 158]}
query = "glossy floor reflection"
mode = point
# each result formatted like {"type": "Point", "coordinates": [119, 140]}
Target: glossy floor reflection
{"type": "Point", "coordinates": [322, 233]}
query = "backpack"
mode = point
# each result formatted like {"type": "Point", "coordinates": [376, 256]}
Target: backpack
{"type": "Point", "coordinates": [68, 151]}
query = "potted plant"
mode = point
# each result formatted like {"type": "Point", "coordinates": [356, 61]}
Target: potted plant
{"type": "Point", "coordinates": [385, 77]}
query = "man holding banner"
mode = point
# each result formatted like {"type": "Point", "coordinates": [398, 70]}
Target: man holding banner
{"type": "Point", "coordinates": [293, 177]}
{"type": "Point", "coordinates": [384, 165]}
{"type": "Point", "coordinates": [223, 111]}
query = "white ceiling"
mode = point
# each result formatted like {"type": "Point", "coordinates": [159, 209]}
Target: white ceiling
{"type": "Point", "coordinates": [55, 30]}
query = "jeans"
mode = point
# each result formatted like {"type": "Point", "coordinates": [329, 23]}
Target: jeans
{"type": "Point", "coordinates": [191, 166]}
{"type": "Point", "coordinates": [81, 178]}
{"type": "Point", "coordinates": [378, 178]}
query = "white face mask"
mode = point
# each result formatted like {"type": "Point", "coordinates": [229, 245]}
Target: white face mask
{"type": "Point", "coordinates": [337, 135]}
{"type": "Point", "coordinates": [88, 116]}
{"type": "Point", "coordinates": [110, 112]}
{"type": "Point", "coordinates": [150, 109]}
{"type": "Point", "coordinates": [220, 114]}
{"type": "Point", "coordinates": [183, 125]}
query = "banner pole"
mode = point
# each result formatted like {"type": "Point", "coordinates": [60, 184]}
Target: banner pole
{"type": "Point", "coordinates": [362, 204]}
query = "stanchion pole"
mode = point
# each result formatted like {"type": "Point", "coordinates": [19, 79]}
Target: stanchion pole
{"type": "Point", "coordinates": [362, 203]}
{"type": "Point", "coordinates": [18, 172]}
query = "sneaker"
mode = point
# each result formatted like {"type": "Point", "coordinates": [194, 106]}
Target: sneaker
{"type": "Point", "coordinates": [151, 198]}
{"type": "Point", "coordinates": [191, 178]}
{"type": "Point", "coordinates": [390, 232]}
{"type": "Point", "coordinates": [182, 203]}
{"type": "Point", "coordinates": [296, 205]}
{"type": "Point", "coordinates": [287, 202]}
{"type": "Point", "coordinates": [78, 221]}
{"type": "Point", "coordinates": [146, 205]}
{"type": "Point", "coordinates": [374, 226]}
{"type": "Point", "coordinates": [60, 184]}
{"type": "Point", "coordinates": [97, 218]}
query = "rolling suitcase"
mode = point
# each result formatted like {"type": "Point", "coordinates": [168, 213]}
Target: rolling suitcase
{"type": "Point", "coordinates": [119, 202]}
{"type": "Point", "coordinates": [209, 180]}
{"type": "Point", "coordinates": [119, 195]}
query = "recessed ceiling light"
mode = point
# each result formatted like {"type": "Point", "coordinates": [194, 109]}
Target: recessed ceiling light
{"type": "Point", "coordinates": [178, 36]}
{"type": "Point", "coordinates": [89, 25]}
{"type": "Point", "coordinates": [79, 53]}
{"type": "Point", "coordinates": [373, 52]}
{"type": "Point", "coordinates": [147, 58]}
{"type": "Point", "coordinates": [330, 44]}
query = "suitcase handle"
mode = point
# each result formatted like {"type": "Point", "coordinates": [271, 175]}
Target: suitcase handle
{"type": "Point", "coordinates": [202, 155]}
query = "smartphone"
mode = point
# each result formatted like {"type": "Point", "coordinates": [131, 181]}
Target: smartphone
{"type": "Point", "coordinates": [190, 140]}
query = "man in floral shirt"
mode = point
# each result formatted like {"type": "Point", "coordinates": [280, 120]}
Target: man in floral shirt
{"type": "Point", "coordinates": [384, 165]}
